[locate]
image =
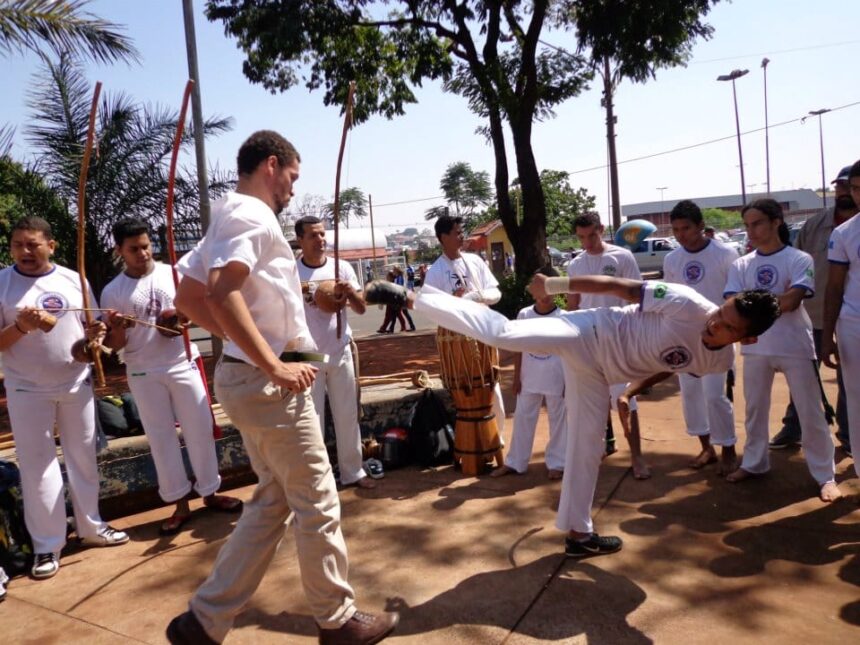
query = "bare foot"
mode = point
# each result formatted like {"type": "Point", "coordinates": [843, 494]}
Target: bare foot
{"type": "Point", "coordinates": [707, 456]}
{"type": "Point", "coordinates": [739, 475]}
{"type": "Point", "coordinates": [640, 468]}
{"type": "Point", "coordinates": [830, 492]}
{"type": "Point", "coordinates": [365, 482]}
{"type": "Point", "coordinates": [554, 475]}
{"type": "Point", "coordinates": [501, 471]}
{"type": "Point", "coordinates": [728, 463]}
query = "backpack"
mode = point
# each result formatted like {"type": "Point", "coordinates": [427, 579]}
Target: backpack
{"type": "Point", "coordinates": [16, 547]}
{"type": "Point", "coordinates": [118, 415]}
{"type": "Point", "coordinates": [431, 434]}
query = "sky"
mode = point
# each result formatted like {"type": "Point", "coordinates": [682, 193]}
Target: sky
{"type": "Point", "coordinates": [811, 46]}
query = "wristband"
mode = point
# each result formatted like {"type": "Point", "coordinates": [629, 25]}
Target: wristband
{"type": "Point", "coordinates": [556, 286]}
{"type": "Point", "coordinates": [19, 329]}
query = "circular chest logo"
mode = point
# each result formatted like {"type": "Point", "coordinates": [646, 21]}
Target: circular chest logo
{"type": "Point", "coordinates": [694, 272]}
{"type": "Point", "coordinates": [53, 302]}
{"type": "Point", "coordinates": [766, 276]}
{"type": "Point", "coordinates": [609, 269]}
{"type": "Point", "coordinates": [676, 357]}
{"type": "Point", "coordinates": [148, 305]}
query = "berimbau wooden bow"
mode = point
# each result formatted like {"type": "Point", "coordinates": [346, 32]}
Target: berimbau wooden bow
{"type": "Point", "coordinates": [347, 124]}
{"type": "Point", "coordinates": [171, 242]}
{"type": "Point", "coordinates": [82, 203]}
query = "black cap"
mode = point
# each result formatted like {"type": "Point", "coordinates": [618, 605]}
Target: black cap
{"type": "Point", "coordinates": [843, 175]}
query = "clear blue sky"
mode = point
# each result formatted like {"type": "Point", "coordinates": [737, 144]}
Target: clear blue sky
{"type": "Point", "coordinates": [813, 47]}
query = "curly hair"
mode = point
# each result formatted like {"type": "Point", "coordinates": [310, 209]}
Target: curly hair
{"type": "Point", "coordinates": [260, 146]}
{"type": "Point", "coordinates": [686, 209]}
{"type": "Point", "coordinates": [759, 307]}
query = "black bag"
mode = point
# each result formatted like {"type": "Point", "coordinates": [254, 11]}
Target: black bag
{"type": "Point", "coordinates": [119, 416]}
{"type": "Point", "coordinates": [132, 415]}
{"type": "Point", "coordinates": [432, 433]}
{"type": "Point", "coordinates": [16, 547]}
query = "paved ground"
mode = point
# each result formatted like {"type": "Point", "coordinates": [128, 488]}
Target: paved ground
{"type": "Point", "coordinates": [477, 560]}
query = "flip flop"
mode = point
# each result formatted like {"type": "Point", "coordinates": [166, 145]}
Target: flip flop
{"type": "Point", "coordinates": [224, 504]}
{"type": "Point", "coordinates": [174, 524]}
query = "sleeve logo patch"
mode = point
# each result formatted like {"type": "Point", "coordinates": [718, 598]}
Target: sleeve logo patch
{"type": "Point", "coordinates": [660, 291]}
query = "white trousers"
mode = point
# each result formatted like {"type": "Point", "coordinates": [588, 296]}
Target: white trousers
{"type": "Point", "coordinates": [165, 396]}
{"type": "Point", "coordinates": [572, 337]}
{"type": "Point", "coordinates": [338, 378]}
{"type": "Point", "coordinates": [707, 409]}
{"type": "Point", "coordinates": [499, 411]}
{"type": "Point", "coordinates": [848, 336]}
{"type": "Point", "coordinates": [806, 393]}
{"type": "Point", "coordinates": [33, 415]}
{"type": "Point", "coordinates": [525, 423]}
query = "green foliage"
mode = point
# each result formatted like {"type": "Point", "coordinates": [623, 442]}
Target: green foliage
{"type": "Point", "coordinates": [352, 202]}
{"type": "Point", "coordinates": [23, 194]}
{"type": "Point", "coordinates": [721, 219]}
{"type": "Point", "coordinates": [62, 26]}
{"type": "Point", "coordinates": [514, 295]}
{"type": "Point", "coordinates": [467, 192]}
{"type": "Point", "coordinates": [563, 202]}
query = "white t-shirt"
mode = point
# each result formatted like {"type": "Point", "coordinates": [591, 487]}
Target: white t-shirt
{"type": "Point", "coordinates": [244, 229]}
{"type": "Point", "coordinates": [145, 298]}
{"type": "Point", "coordinates": [615, 262]}
{"type": "Point", "coordinates": [844, 248]}
{"type": "Point", "coordinates": [467, 272]}
{"type": "Point", "coordinates": [662, 334]}
{"type": "Point", "coordinates": [323, 326]}
{"type": "Point", "coordinates": [541, 373]}
{"type": "Point", "coordinates": [705, 270]}
{"type": "Point", "coordinates": [791, 334]}
{"type": "Point", "coordinates": [39, 361]}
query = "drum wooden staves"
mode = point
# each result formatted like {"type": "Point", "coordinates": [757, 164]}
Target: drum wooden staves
{"type": "Point", "coordinates": [470, 371]}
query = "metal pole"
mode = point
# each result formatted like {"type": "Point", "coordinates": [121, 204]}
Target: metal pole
{"type": "Point", "coordinates": [823, 176]}
{"type": "Point", "coordinates": [764, 63]}
{"type": "Point", "coordinates": [196, 113]}
{"type": "Point", "coordinates": [740, 150]}
{"type": "Point", "coordinates": [610, 136]}
{"type": "Point", "coordinates": [372, 235]}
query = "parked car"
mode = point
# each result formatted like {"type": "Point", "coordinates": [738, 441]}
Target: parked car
{"type": "Point", "coordinates": [556, 257]}
{"type": "Point", "coordinates": [649, 254]}
{"type": "Point", "coordinates": [741, 243]}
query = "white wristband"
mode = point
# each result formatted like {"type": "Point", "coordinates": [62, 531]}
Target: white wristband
{"type": "Point", "coordinates": [556, 286]}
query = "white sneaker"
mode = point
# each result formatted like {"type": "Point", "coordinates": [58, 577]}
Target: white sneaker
{"type": "Point", "coordinates": [106, 537]}
{"type": "Point", "coordinates": [45, 565]}
{"type": "Point", "coordinates": [3, 580]}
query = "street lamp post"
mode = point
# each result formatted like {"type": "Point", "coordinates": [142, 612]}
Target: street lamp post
{"type": "Point", "coordinates": [818, 113]}
{"type": "Point", "coordinates": [764, 62]}
{"type": "Point", "coordinates": [661, 189]}
{"type": "Point", "coordinates": [733, 76]}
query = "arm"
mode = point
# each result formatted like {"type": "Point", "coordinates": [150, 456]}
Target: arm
{"type": "Point", "coordinates": [791, 299]}
{"type": "Point", "coordinates": [354, 298]}
{"type": "Point", "coordinates": [623, 288]}
{"type": "Point", "coordinates": [488, 296]}
{"type": "Point", "coordinates": [832, 305]}
{"type": "Point", "coordinates": [632, 390]}
{"type": "Point", "coordinates": [191, 300]}
{"type": "Point", "coordinates": [573, 300]}
{"type": "Point", "coordinates": [116, 337]}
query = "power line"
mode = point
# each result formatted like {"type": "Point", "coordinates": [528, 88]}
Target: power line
{"type": "Point", "coordinates": [778, 51]}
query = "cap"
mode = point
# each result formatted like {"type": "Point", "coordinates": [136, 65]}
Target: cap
{"type": "Point", "coordinates": [843, 175]}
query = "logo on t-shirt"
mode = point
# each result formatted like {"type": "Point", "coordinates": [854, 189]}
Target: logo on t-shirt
{"type": "Point", "coordinates": [609, 269]}
{"type": "Point", "coordinates": [694, 272]}
{"type": "Point", "coordinates": [660, 291]}
{"type": "Point", "coordinates": [676, 357]}
{"type": "Point", "coordinates": [53, 302]}
{"type": "Point", "coordinates": [147, 305]}
{"type": "Point", "coordinates": [457, 281]}
{"type": "Point", "coordinates": [766, 276]}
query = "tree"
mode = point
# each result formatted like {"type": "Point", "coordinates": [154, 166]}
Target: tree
{"type": "Point", "coordinates": [488, 51]}
{"type": "Point", "coordinates": [128, 172]}
{"type": "Point", "coordinates": [721, 219]}
{"type": "Point", "coordinates": [62, 26]}
{"type": "Point", "coordinates": [465, 190]}
{"type": "Point", "coordinates": [563, 202]}
{"type": "Point", "coordinates": [352, 202]}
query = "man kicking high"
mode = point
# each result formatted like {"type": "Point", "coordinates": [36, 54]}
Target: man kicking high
{"type": "Point", "coordinates": [672, 330]}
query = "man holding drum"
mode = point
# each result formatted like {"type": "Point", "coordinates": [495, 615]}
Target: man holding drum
{"type": "Point", "coordinates": [670, 329]}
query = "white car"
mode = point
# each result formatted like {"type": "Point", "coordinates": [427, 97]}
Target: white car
{"type": "Point", "coordinates": [649, 253]}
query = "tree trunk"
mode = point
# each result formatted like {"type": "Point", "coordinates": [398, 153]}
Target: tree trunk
{"type": "Point", "coordinates": [608, 92]}
{"type": "Point", "coordinates": [530, 240]}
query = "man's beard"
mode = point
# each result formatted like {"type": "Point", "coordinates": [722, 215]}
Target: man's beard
{"type": "Point", "coordinates": [845, 203]}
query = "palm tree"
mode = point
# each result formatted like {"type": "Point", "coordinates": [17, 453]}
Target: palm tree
{"type": "Point", "coordinates": [63, 26]}
{"type": "Point", "coordinates": [128, 170]}
{"type": "Point", "coordinates": [352, 202]}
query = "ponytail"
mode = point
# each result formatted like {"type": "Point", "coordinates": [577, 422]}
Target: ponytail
{"type": "Point", "coordinates": [784, 235]}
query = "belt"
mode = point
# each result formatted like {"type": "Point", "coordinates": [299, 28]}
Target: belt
{"type": "Point", "coordinates": [286, 357]}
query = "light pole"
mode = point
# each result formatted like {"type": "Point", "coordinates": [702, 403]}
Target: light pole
{"type": "Point", "coordinates": [764, 62]}
{"type": "Point", "coordinates": [661, 189]}
{"type": "Point", "coordinates": [818, 113]}
{"type": "Point", "coordinates": [733, 76]}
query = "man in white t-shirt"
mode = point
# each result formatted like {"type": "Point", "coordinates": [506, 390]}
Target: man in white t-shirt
{"type": "Point", "coordinates": [46, 386]}
{"type": "Point", "coordinates": [703, 264]}
{"type": "Point", "coordinates": [842, 310]}
{"type": "Point", "coordinates": [465, 275]}
{"type": "Point", "coordinates": [166, 383]}
{"type": "Point", "coordinates": [600, 258]}
{"type": "Point", "coordinates": [788, 347]}
{"type": "Point", "coordinates": [337, 375]}
{"type": "Point", "coordinates": [241, 283]}
{"type": "Point", "coordinates": [672, 329]}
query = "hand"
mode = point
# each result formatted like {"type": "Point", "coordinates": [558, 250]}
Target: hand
{"type": "Point", "coordinates": [295, 377]}
{"type": "Point", "coordinates": [537, 287]}
{"type": "Point", "coordinates": [118, 320]}
{"type": "Point", "coordinates": [96, 332]}
{"type": "Point", "coordinates": [518, 386]}
{"type": "Point", "coordinates": [342, 292]}
{"type": "Point", "coordinates": [29, 319]}
{"type": "Point", "coordinates": [829, 353]}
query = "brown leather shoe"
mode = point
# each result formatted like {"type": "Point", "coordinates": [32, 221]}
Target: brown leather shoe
{"type": "Point", "coordinates": [185, 629]}
{"type": "Point", "coordinates": [361, 629]}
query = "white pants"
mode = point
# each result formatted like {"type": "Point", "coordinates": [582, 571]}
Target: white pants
{"type": "Point", "coordinates": [525, 422]}
{"type": "Point", "coordinates": [848, 336]}
{"type": "Point", "coordinates": [33, 415]}
{"type": "Point", "coordinates": [338, 378]}
{"type": "Point", "coordinates": [707, 409]}
{"type": "Point", "coordinates": [806, 393]}
{"type": "Point", "coordinates": [167, 395]}
{"type": "Point", "coordinates": [570, 336]}
{"type": "Point", "coordinates": [499, 411]}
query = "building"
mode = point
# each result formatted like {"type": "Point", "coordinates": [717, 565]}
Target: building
{"type": "Point", "coordinates": [492, 242]}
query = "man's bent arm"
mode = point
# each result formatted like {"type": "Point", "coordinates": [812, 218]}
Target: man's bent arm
{"type": "Point", "coordinates": [191, 301]}
{"type": "Point", "coordinates": [624, 288]}
{"type": "Point", "coordinates": [638, 387]}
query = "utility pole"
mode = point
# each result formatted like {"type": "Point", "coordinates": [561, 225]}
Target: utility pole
{"type": "Point", "coordinates": [196, 113]}
{"type": "Point", "coordinates": [610, 138]}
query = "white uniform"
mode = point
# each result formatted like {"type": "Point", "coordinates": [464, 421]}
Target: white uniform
{"type": "Point", "coordinates": [615, 262]}
{"type": "Point", "coordinates": [597, 347]}
{"type": "Point", "coordinates": [844, 248]}
{"type": "Point", "coordinates": [44, 387]}
{"type": "Point", "coordinates": [338, 375]}
{"type": "Point", "coordinates": [541, 379]}
{"type": "Point", "coordinates": [166, 386]}
{"type": "Point", "coordinates": [786, 347]}
{"type": "Point", "coordinates": [471, 273]}
{"type": "Point", "coordinates": [707, 409]}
